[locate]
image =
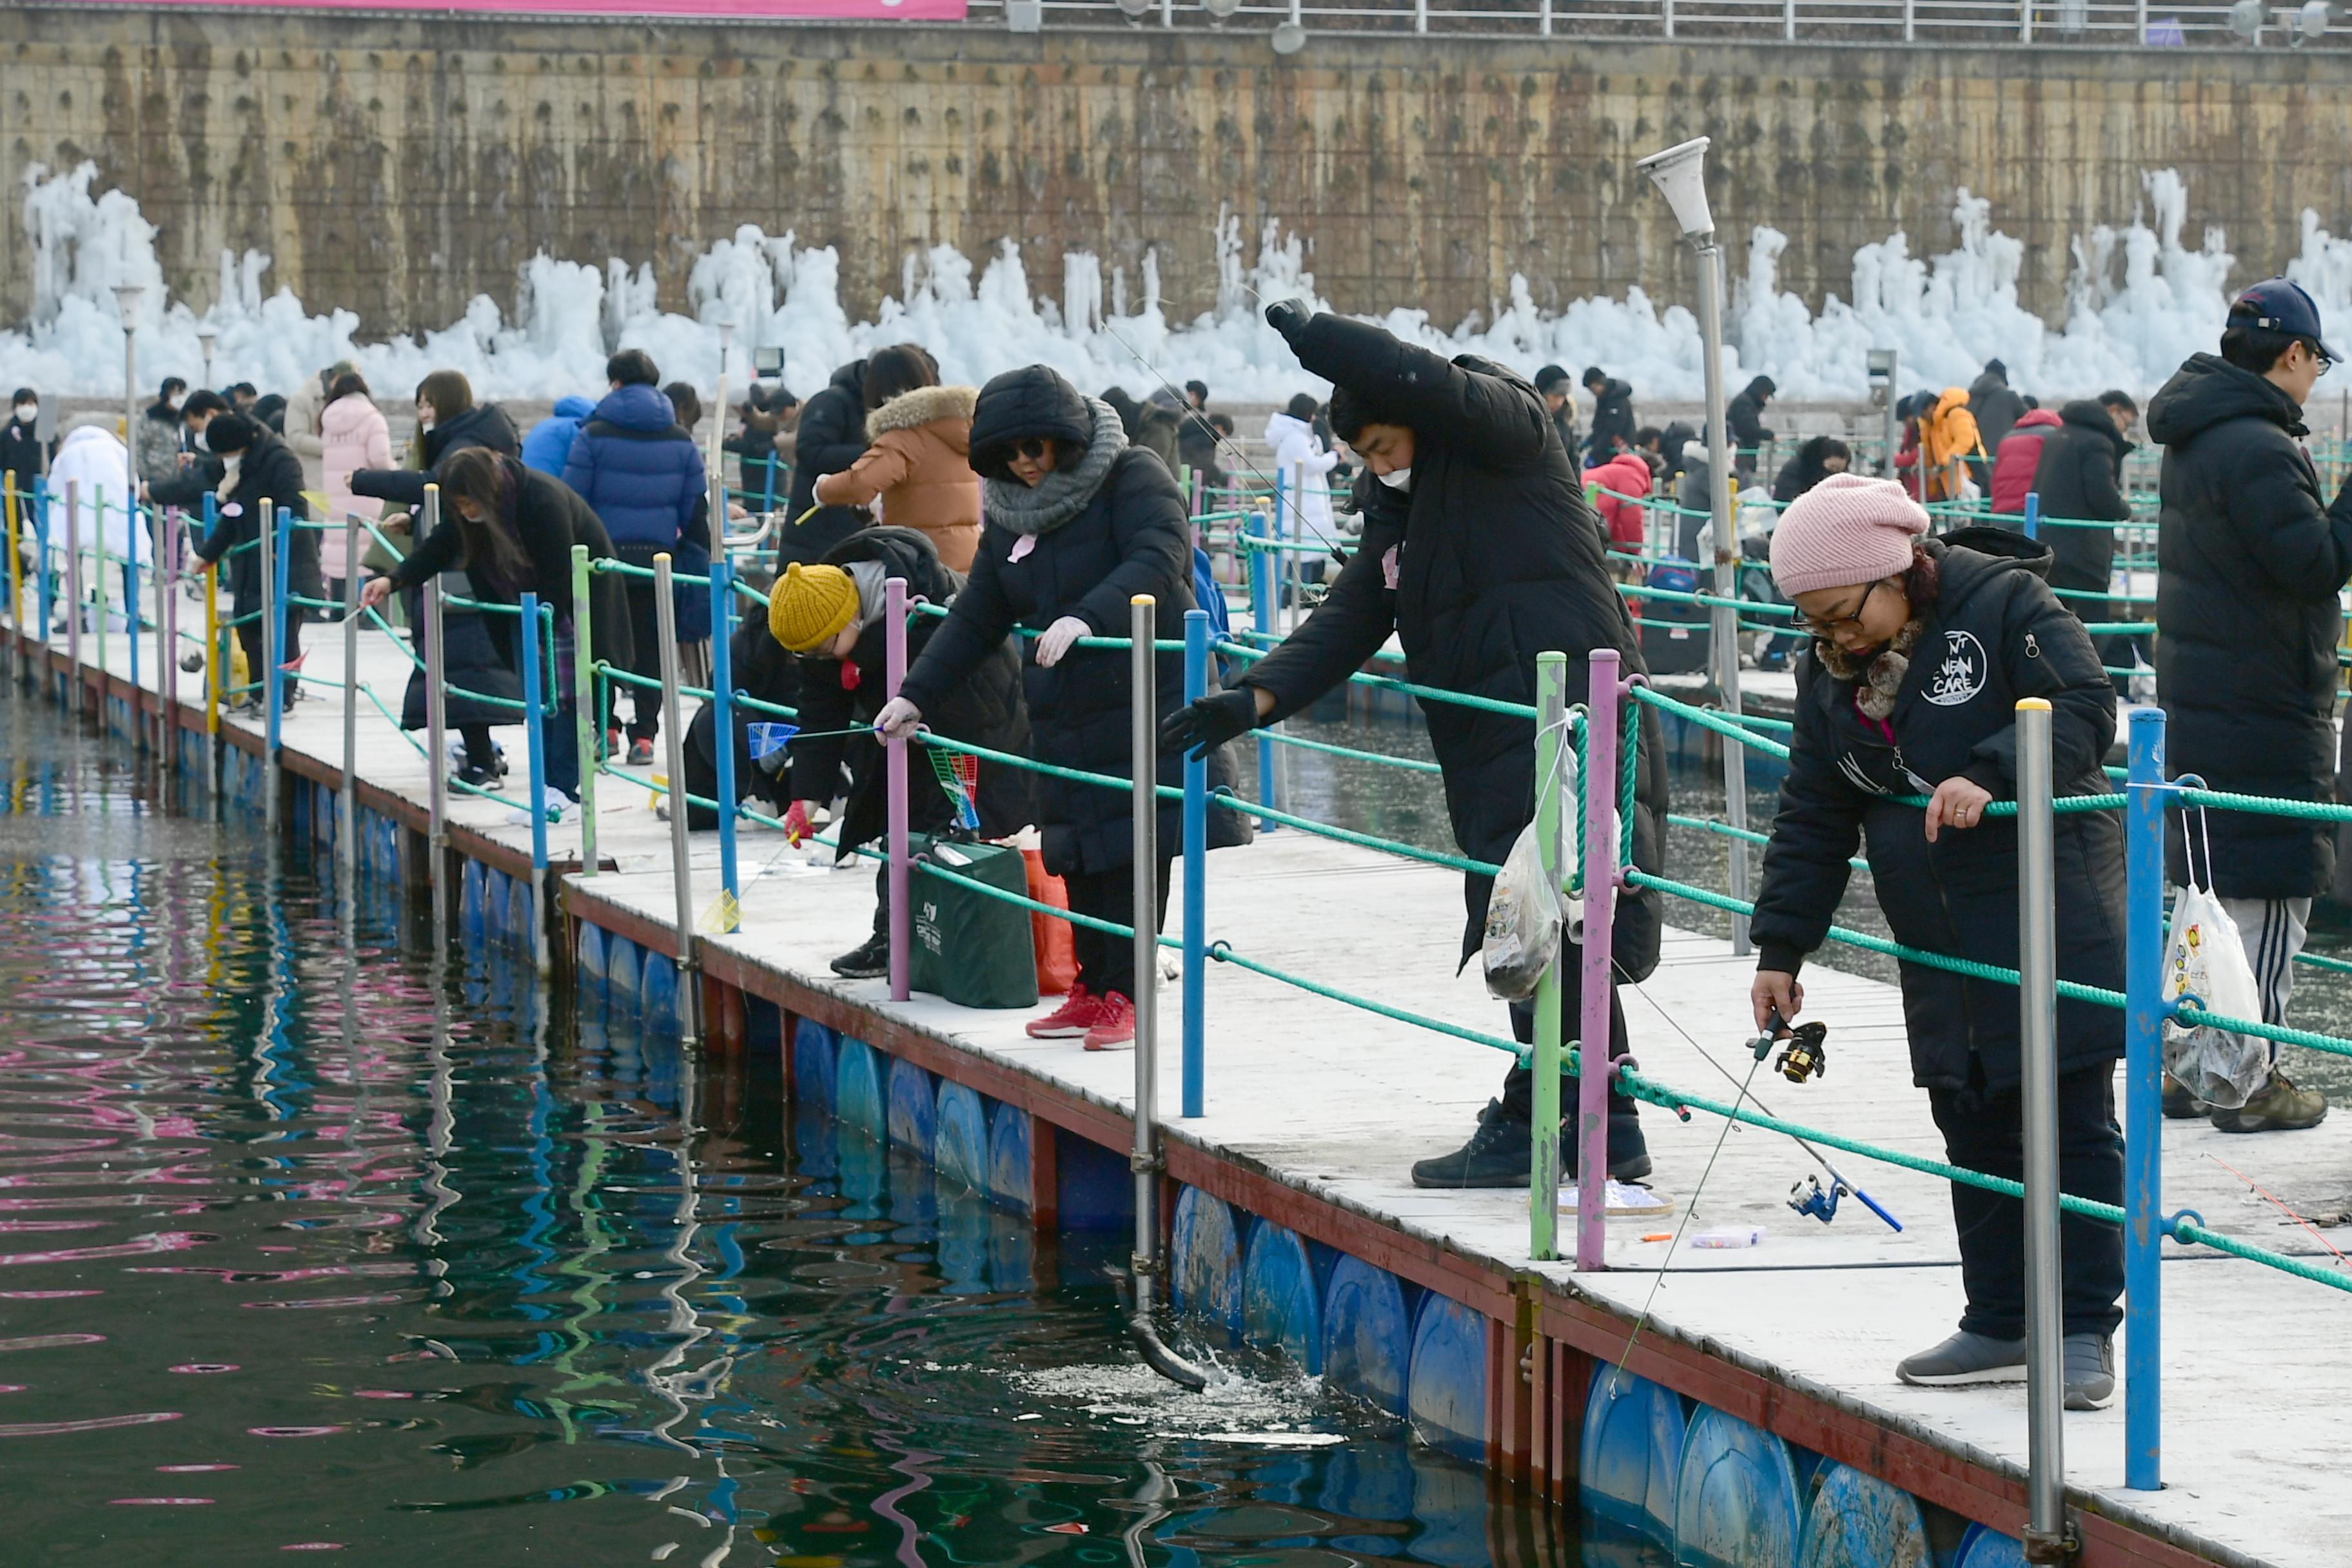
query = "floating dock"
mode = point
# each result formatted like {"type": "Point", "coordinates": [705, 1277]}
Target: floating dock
{"type": "Point", "coordinates": [1755, 1419]}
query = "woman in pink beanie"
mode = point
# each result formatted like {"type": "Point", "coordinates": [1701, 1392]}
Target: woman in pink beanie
{"type": "Point", "coordinates": [1921, 649]}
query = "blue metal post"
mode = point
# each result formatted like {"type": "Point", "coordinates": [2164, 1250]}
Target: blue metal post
{"type": "Point", "coordinates": [1196, 874]}
{"type": "Point", "coordinates": [276, 610]}
{"type": "Point", "coordinates": [534, 686]}
{"type": "Point", "coordinates": [722, 714]}
{"type": "Point", "coordinates": [1261, 570]}
{"type": "Point", "coordinates": [131, 536]}
{"type": "Point", "coordinates": [42, 592]}
{"type": "Point", "coordinates": [768, 502]}
{"type": "Point", "coordinates": [2033, 514]}
{"type": "Point", "coordinates": [2143, 1110]}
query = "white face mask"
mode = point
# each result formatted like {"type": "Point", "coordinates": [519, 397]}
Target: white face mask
{"type": "Point", "coordinates": [28, 412]}
{"type": "Point", "coordinates": [424, 420]}
{"type": "Point", "coordinates": [1397, 478]}
{"type": "Point", "coordinates": [175, 402]}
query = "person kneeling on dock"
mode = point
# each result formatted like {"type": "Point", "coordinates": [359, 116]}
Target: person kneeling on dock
{"type": "Point", "coordinates": [1480, 553]}
{"type": "Point", "coordinates": [1921, 650]}
{"type": "Point", "coordinates": [830, 614]}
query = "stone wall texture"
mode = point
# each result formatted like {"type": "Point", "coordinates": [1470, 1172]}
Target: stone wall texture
{"type": "Point", "coordinates": [397, 166]}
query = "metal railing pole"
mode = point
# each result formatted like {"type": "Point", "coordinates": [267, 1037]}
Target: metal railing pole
{"type": "Point", "coordinates": [215, 665]}
{"type": "Point", "coordinates": [894, 761]}
{"type": "Point", "coordinates": [1196, 877]}
{"type": "Point", "coordinates": [689, 988]}
{"type": "Point", "coordinates": [73, 591]}
{"type": "Point", "coordinates": [1599, 922]}
{"type": "Point", "coordinates": [1543, 1170]}
{"type": "Point", "coordinates": [8, 509]}
{"type": "Point", "coordinates": [167, 612]}
{"type": "Point", "coordinates": [1293, 565]}
{"type": "Point", "coordinates": [2037, 991]}
{"type": "Point", "coordinates": [2033, 514]}
{"type": "Point", "coordinates": [1261, 570]}
{"type": "Point", "coordinates": [1789, 21]}
{"type": "Point", "coordinates": [98, 594]}
{"type": "Point", "coordinates": [534, 689]}
{"type": "Point", "coordinates": [45, 593]}
{"type": "Point", "coordinates": [2024, 21]}
{"type": "Point", "coordinates": [1143, 766]}
{"type": "Point", "coordinates": [1725, 632]}
{"type": "Point", "coordinates": [583, 697]}
{"type": "Point", "coordinates": [1543, 24]}
{"type": "Point", "coordinates": [1910, 35]}
{"type": "Point", "coordinates": [2143, 1100]}
{"type": "Point", "coordinates": [1421, 15]}
{"type": "Point", "coordinates": [347, 848]}
{"type": "Point", "coordinates": [274, 551]}
{"type": "Point", "coordinates": [131, 619]}
{"type": "Point", "coordinates": [436, 732]}
{"type": "Point", "coordinates": [1666, 15]}
{"type": "Point", "coordinates": [722, 731]}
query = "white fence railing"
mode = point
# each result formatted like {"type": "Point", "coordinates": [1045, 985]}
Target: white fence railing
{"type": "Point", "coordinates": [2148, 23]}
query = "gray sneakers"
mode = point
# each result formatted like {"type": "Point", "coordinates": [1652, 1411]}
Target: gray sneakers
{"type": "Point", "coordinates": [1968, 1358]}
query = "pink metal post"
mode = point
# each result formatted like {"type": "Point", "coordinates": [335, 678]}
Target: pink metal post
{"type": "Point", "coordinates": [167, 630]}
{"type": "Point", "coordinates": [1600, 720]}
{"type": "Point", "coordinates": [902, 920]}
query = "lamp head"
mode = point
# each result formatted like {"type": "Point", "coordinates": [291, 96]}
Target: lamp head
{"type": "Point", "coordinates": [1133, 10]}
{"type": "Point", "coordinates": [1680, 172]}
{"type": "Point", "coordinates": [126, 300]}
{"type": "Point", "coordinates": [1219, 10]}
{"type": "Point", "coordinates": [1289, 37]}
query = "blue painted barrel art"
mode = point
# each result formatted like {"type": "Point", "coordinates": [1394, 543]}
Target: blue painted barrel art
{"type": "Point", "coordinates": [1282, 1307]}
{"type": "Point", "coordinates": [1859, 1521]}
{"type": "Point", "coordinates": [588, 968]}
{"type": "Point", "coordinates": [622, 971]}
{"type": "Point", "coordinates": [657, 995]}
{"type": "Point", "coordinates": [1633, 1453]}
{"type": "Point", "coordinates": [1367, 1334]}
{"type": "Point", "coordinates": [815, 1053]}
{"type": "Point", "coordinates": [1010, 1129]}
{"type": "Point", "coordinates": [960, 1142]}
{"type": "Point", "coordinates": [912, 1107]}
{"type": "Point", "coordinates": [1736, 1500]}
{"type": "Point", "coordinates": [1204, 1264]}
{"type": "Point", "coordinates": [1446, 1388]}
{"type": "Point", "coordinates": [857, 1088]}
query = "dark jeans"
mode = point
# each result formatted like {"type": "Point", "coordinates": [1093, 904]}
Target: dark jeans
{"type": "Point", "coordinates": [1984, 1131]}
{"type": "Point", "coordinates": [1518, 1084]}
{"type": "Point", "coordinates": [249, 637]}
{"type": "Point", "coordinates": [644, 659]}
{"type": "Point", "coordinates": [1106, 963]}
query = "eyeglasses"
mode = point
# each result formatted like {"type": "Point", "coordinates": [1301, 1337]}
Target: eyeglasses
{"type": "Point", "coordinates": [1829, 628]}
{"type": "Point", "coordinates": [1033, 448]}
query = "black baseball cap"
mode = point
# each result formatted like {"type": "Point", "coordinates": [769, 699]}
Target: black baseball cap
{"type": "Point", "coordinates": [2280, 305]}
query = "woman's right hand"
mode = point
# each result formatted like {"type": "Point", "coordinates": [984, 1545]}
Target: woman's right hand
{"type": "Point", "coordinates": [375, 592]}
{"type": "Point", "coordinates": [1775, 990]}
{"type": "Point", "coordinates": [898, 718]}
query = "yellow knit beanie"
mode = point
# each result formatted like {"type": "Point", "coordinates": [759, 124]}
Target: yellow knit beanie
{"type": "Point", "coordinates": [811, 606]}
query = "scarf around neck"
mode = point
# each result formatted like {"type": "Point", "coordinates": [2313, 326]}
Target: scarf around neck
{"type": "Point", "coordinates": [1064, 493]}
{"type": "Point", "coordinates": [1880, 680]}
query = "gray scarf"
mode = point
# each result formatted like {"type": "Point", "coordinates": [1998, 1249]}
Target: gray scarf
{"type": "Point", "coordinates": [1064, 493]}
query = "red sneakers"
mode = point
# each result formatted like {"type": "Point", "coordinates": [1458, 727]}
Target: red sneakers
{"type": "Point", "coordinates": [1114, 1024]}
{"type": "Point", "coordinates": [1073, 1018]}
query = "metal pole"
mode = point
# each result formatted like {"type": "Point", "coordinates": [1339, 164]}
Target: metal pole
{"type": "Point", "coordinates": [1666, 10]}
{"type": "Point", "coordinates": [2140, 21]}
{"type": "Point", "coordinates": [1893, 396]}
{"type": "Point", "coordinates": [97, 595]}
{"type": "Point", "coordinates": [584, 694]}
{"type": "Point", "coordinates": [534, 683]}
{"type": "Point", "coordinates": [1599, 920]}
{"type": "Point", "coordinates": [1262, 612]}
{"type": "Point", "coordinates": [1543, 1171]}
{"type": "Point", "coordinates": [894, 759]}
{"type": "Point", "coordinates": [723, 728]}
{"type": "Point", "coordinates": [2024, 21]}
{"type": "Point", "coordinates": [689, 989]}
{"type": "Point", "coordinates": [167, 611]}
{"type": "Point", "coordinates": [436, 732]}
{"type": "Point", "coordinates": [2037, 970]}
{"type": "Point", "coordinates": [131, 615]}
{"type": "Point", "coordinates": [347, 848]}
{"type": "Point", "coordinates": [10, 504]}
{"type": "Point", "coordinates": [1789, 21]}
{"type": "Point", "coordinates": [73, 591]}
{"type": "Point", "coordinates": [1196, 877]}
{"type": "Point", "coordinates": [1143, 765]}
{"type": "Point", "coordinates": [274, 551]}
{"type": "Point", "coordinates": [1294, 567]}
{"type": "Point", "coordinates": [1910, 23]}
{"type": "Point", "coordinates": [1421, 15]}
{"type": "Point", "coordinates": [1725, 627]}
{"type": "Point", "coordinates": [2033, 514]}
{"type": "Point", "coordinates": [2143, 1097]}
{"type": "Point", "coordinates": [1544, 24]}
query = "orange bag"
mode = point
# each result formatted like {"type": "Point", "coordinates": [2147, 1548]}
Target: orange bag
{"type": "Point", "coordinates": [1057, 953]}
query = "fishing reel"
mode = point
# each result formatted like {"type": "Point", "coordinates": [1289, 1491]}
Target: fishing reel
{"type": "Point", "coordinates": [1809, 1197]}
{"type": "Point", "coordinates": [1805, 1053]}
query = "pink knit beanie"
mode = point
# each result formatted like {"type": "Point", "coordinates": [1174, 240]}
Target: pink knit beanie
{"type": "Point", "coordinates": [1847, 530]}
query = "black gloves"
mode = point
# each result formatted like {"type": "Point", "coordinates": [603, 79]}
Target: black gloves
{"type": "Point", "coordinates": [1206, 725]}
{"type": "Point", "coordinates": [1288, 317]}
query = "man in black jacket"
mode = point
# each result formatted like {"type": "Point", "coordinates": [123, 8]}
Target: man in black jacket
{"type": "Point", "coordinates": [1479, 552]}
{"type": "Point", "coordinates": [1995, 404]}
{"type": "Point", "coordinates": [1749, 431]}
{"type": "Point", "coordinates": [832, 437]}
{"type": "Point", "coordinates": [256, 465]}
{"type": "Point", "coordinates": [2079, 476]}
{"type": "Point", "coordinates": [22, 458]}
{"type": "Point", "coordinates": [2249, 564]}
{"type": "Point", "coordinates": [1612, 416]}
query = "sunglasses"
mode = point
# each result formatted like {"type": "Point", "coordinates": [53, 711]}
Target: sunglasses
{"type": "Point", "coordinates": [1829, 628]}
{"type": "Point", "coordinates": [1033, 448]}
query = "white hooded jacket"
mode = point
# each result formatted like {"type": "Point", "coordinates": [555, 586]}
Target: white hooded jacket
{"type": "Point", "coordinates": [98, 466]}
{"type": "Point", "coordinates": [1296, 449]}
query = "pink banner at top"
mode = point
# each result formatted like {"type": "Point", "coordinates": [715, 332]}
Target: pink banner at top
{"type": "Point", "coordinates": [745, 10]}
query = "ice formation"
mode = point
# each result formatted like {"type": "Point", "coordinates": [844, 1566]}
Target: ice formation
{"type": "Point", "coordinates": [2138, 300]}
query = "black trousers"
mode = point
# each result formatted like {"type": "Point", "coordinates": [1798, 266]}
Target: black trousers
{"type": "Point", "coordinates": [1106, 963]}
{"type": "Point", "coordinates": [249, 637]}
{"type": "Point", "coordinates": [1985, 1131]}
{"type": "Point", "coordinates": [644, 659]}
{"type": "Point", "coordinates": [1518, 1084]}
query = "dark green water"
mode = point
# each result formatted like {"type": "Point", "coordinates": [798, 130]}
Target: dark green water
{"type": "Point", "coordinates": [300, 1253]}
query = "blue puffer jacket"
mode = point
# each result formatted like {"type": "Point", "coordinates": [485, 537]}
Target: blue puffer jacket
{"type": "Point", "coordinates": [645, 478]}
{"type": "Point", "coordinates": [549, 445]}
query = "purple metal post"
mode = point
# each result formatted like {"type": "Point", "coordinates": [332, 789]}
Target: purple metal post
{"type": "Point", "coordinates": [902, 920]}
{"type": "Point", "coordinates": [73, 589]}
{"type": "Point", "coordinates": [168, 633]}
{"type": "Point", "coordinates": [1599, 915]}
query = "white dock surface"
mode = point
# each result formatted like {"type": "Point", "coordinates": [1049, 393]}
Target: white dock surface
{"type": "Point", "coordinates": [1338, 1103]}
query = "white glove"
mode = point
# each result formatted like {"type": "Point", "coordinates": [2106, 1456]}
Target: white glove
{"type": "Point", "coordinates": [1058, 638]}
{"type": "Point", "coordinates": [898, 718]}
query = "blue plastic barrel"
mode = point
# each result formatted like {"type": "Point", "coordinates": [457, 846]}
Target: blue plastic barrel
{"type": "Point", "coordinates": [1632, 1453]}
{"type": "Point", "coordinates": [959, 1145]}
{"type": "Point", "coordinates": [588, 968]}
{"type": "Point", "coordinates": [1984, 1547]}
{"type": "Point", "coordinates": [815, 1049]}
{"type": "Point", "coordinates": [857, 1088]}
{"type": "Point", "coordinates": [1857, 1521]}
{"type": "Point", "coordinates": [622, 972]}
{"type": "Point", "coordinates": [1446, 1389]}
{"type": "Point", "coordinates": [913, 1107]}
{"type": "Point", "coordinates": [1010, 1129]}
{"type": "Point", "coordinates": [1736, 1501]}
{"type": "Point", "coordinates": [1367, 1335]}
{"type": "Point", "coordinates": [658, 994]}
{"type": "Point", "coordinates": [1204, 1264]}
{"type": "Point", "coordinates": [1282, 1306]}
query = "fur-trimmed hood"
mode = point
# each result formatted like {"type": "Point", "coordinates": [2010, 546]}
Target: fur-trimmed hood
{"type": "Point", "coordinates": [924, 406]}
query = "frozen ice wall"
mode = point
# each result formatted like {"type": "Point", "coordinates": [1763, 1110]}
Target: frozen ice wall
{"type": "Point", "coordinates": [2139, 301]}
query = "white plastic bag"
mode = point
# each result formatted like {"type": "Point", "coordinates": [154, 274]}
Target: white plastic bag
{"type": "Point", "coordinates": [2205, 957]}
{"type": "Point", "coordinates": [1526, 911]}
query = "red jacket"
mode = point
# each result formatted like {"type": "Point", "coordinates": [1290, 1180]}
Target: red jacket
{"type": "Point", "coordinates": [2013, 465]}
{"type": "Point", "coordinates": [1625, 474]}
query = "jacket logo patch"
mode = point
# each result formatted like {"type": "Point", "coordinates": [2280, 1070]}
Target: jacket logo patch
{"type": "Point", "coordinates": [1959, 674]}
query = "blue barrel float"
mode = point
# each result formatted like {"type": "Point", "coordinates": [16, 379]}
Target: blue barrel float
{"type": "Point", "coordinates": [1860, 1521]}
{"type": "Point", "coordinates": [960, 1144]}
{"type": "Point", "coordinates": [857, 1088]}
{"type": "Point", "coordinates": [621, 976]}
{"type": "Point", "coordinates": [469, 904]}
{"type": "Point", "coordinates": [520, 922]}
{"type": "Point", "coordinates": [815, 1049]}
{"type": "Point", "coordinates": [1367, 1335]}
{"type": "Point", "coordinates": [1010, 1167]}
{"type": "Point", "coordinates": [1204, 1264]}
{"type": "Point", "coordinates": [1736, 1500]}
{"type": "Point", "coordinates": [588, 968]}
{"type": "Point", "coordinates": [1983, 1548]}
{"type": "Point", "coordinates": [1632, 1454]}
{"type": "Point", "coordinates": [1446, 1388]}
{"type": "Point", "coordinates": [913, 1108]}
{"type": "Point", "coordinates": [1282, 1306]}
{"type": "Point", "coordinates": [657, 995]}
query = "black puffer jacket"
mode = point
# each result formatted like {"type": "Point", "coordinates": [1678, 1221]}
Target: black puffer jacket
{"type": "Point", "coordinates": [1995, 406]}
{"type": "Point", "coordinates": [1133, 537]}
{"type": "Point", "coordinates": [1612, 419]}
{"type": "Point", "coordinates": [2249, 562]}
{"type": "Point", "coordinates": [984, 709]}
{"type": "Point", "coordinates": [1496, 559]}
{"type": "Point", "coordinates": [1995, 634]}
{"type": "Point", "coordinates": [831, 437]}
{"type": "Point", "coordinates": [2080, 475]}
{"type": "Point", "coordinates": [483, 425]}
{"type": "Point", "coordinates": [270, 470]}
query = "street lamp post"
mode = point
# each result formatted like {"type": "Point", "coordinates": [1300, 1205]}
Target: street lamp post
{"type": "Point", "coordinates": [206, 338]}
{"type": "Point", "coordinates": [1680, 172]}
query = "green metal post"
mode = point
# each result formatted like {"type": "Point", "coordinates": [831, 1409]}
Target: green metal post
{"type": "Point", "coordinates": [583, 687]}
{"type": "Point", "coordinates": [1543, 1170]}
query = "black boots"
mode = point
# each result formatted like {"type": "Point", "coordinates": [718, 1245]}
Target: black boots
{"type": "Point", "coordinates": [1499, 1153]}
